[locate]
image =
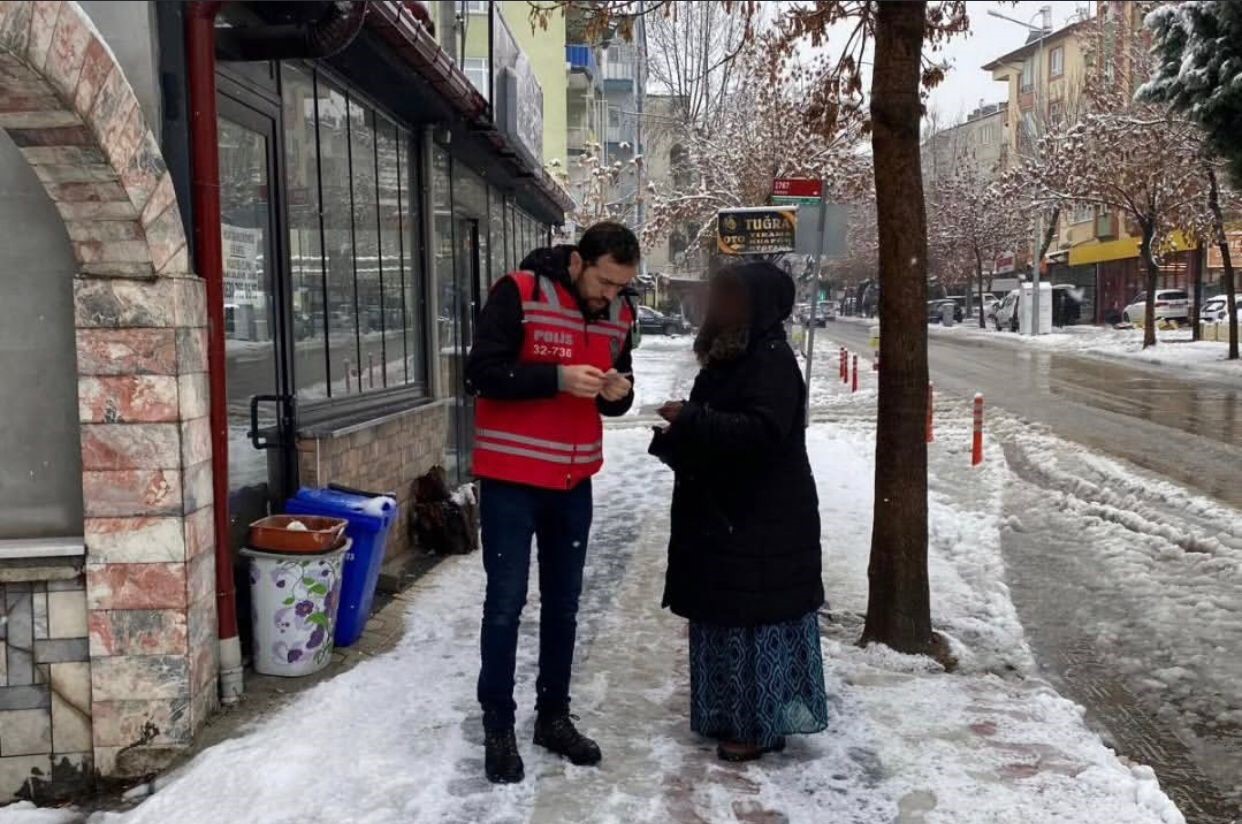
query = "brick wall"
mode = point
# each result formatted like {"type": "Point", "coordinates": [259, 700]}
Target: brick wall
{"type": "Point", "coordinates": [385, 457]}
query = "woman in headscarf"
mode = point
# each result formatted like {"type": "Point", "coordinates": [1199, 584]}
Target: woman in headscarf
{"type": "Point", "coordinates": [744, 553]}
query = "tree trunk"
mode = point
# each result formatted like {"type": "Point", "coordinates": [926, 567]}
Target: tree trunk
{"type": "Point", "coordinates": [1049, 233]}
{"type": "Point", "coordinates": [1228, 282]}
{"type": "Point", "coordinates": [1149, 265]}
{"type": "Point", "coordinates": [899, 607]}
{"type": "Point", "coordinates": [983, 321]}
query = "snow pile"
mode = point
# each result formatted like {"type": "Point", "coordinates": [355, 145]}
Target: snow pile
{"type": "Point", "coordinates": [23, 812]}
{"type": "Point", "coordinates": [1174, 349]}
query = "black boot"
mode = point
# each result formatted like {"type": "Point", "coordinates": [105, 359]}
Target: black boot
{"type": "Point", "coordinates": [558, 734]}
{"type": "Point", "coordinates": [502, 762]}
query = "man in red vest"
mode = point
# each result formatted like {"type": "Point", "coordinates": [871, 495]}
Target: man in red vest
{"type": "Point", "coordinates": [551, 354]}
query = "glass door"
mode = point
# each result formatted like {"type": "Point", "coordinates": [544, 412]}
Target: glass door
{"type": "Point", "coordinates": [467, 289]}
{"type": "Point", "coordinates": [261, 455]}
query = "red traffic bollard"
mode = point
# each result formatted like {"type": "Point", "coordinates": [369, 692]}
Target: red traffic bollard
{"type": "Point", "coordinates": [844, 370]}
{"type": "Point", "coordinates": [931, 395]}
{"type": "Point", "coordinates": [976, 451]}
{"type": "Point", "coordinates": [854, 387]}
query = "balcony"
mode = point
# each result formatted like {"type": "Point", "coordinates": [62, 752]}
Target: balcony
{"type": "Point", "coordinates": [621, 68]}
{"type": "Point", "coordinates": [578, 138]}
{"type": "Point", "coordinates": [583, 69]}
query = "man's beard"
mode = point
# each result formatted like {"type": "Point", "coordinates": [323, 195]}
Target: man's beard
{"type": "Point", "coordinates": [715, 344]}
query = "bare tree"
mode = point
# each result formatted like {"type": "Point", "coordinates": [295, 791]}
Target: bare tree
{"type": "Point", "coordinates": [759, 135]}
{"type": "Point", "coordinates": [691, 58]}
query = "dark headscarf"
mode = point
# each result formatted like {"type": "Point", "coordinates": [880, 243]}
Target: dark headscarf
{"type": "Point", "coordinates": [770, 294]}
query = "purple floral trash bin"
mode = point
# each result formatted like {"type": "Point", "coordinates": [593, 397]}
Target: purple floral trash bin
{"type": "Point", "coordinates": [294, 601]}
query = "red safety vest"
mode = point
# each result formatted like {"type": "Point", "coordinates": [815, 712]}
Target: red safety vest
{"type": "Point", "coordinates": [552, 443]}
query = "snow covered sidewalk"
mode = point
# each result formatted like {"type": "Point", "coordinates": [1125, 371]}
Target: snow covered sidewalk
{"type": "Point", "coordinates": [398, 739]}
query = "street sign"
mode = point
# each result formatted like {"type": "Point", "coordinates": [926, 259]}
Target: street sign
{"type": "Point", "coordinates": [1004, 263]}
{"type": "Point", "coordinates": [795, 192]}
{"type": "Point", "coordinates": [758, 230]}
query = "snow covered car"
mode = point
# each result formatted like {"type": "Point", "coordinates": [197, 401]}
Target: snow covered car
{"type": "Point", "coordinates": [1005, 317]}
{"type": "Point", "coordinates": [1216, 310]}
{"type": "Point", "coordinates": [1171, 305]}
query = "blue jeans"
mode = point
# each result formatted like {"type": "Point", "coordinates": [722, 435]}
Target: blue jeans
{"type": "Point", "coordinates": [511, 516]}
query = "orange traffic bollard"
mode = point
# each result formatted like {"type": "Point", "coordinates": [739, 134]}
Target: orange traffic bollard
{"type": "Point", "coordinates": [976, 451]}
{"type": "Point", "coordinates": [854, 387]}
{"type": "Point", "coordinates": [931, 394]}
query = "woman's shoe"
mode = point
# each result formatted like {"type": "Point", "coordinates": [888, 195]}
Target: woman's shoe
{"type": "Point", "coordinates": [777, 746]}
{"type": "Point", "coordinates": [736, 753]}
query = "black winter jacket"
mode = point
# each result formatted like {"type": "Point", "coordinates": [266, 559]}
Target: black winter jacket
{"type": "Point", "coordinates": [493, 370]}
{"type": "Point", "coordinates": [745, 542]}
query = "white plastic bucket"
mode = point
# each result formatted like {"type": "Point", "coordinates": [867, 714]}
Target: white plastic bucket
{"type": "Point", "coordinates": [293, 604]}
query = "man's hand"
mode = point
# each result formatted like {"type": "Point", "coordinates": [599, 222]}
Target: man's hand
{"type": "Point", "coordinates": [670, 410]}
{"type": "Point", "coordinates": [616, 386]}
{"type": "Point", "coordinates": [582, 381]}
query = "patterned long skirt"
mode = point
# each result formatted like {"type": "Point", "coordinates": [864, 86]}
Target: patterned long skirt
{"type": "Point", "coordinates": [754, 685]}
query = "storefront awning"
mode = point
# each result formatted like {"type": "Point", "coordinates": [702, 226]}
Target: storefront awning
{"type": "Point", "coordinates": [1121, 249]}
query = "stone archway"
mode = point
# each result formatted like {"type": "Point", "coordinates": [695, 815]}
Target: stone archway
{"type": "Point", "coordinates": [140, 319]}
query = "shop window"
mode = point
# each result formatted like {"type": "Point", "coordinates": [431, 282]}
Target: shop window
{"type": "Point", "coordinates": [410, 213]}
{"type": "Point", "coordinates": [499, 242]}
{"type": "Point", "coordinates": [306, 252]}
{"type": "Point", "coordinates": [447, 312]}
{"type": "Point", "coordinates": [356, 294]}
{"type": "Point", "coordinates": [388, 222]}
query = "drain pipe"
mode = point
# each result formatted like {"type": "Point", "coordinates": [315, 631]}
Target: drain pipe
{"type": "Point", "coordinates": [205, 161]}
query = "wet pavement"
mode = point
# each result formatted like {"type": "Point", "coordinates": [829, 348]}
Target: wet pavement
{"type": "Point", "coordinates": [1189, 431]}
{"type": "Point", "coordinates": [1102, 637]}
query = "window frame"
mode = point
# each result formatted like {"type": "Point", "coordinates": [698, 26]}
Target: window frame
{"type": "Point", "coordinates": [482, 66]}
{"type": "Point", "coordinates": [1027, 74]}
{"type": "Point", "coordinates": [324, 415]}
{"type": "Point", "coordinates": [1056, 69]}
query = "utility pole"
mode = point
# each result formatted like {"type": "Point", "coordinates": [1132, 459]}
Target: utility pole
{"type": "Point", "coordinates": [1044, 30]}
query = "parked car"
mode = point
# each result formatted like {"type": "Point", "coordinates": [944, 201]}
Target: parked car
{"type": "Point", "coordinates": [1216, 310]}
{"type": "Point", "coordinates": [990, 304]}
{"type": "Point", "coordinates": [1006, 314]}
{"type": "Point", "coordinates": [824, 312]}
{"type": "Point", "coordinates": [1171, 304]}
{"type": "Point", "coordinates": [658, 323]}
{"type": "Point", "coordinates": [935, 310]}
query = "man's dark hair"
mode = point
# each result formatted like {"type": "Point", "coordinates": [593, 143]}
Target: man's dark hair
{"type": "Point", "coordinates": [609, 238]}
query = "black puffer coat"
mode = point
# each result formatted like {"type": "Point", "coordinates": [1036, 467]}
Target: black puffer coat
{"type": "Point", "coordinates": [745, 544]}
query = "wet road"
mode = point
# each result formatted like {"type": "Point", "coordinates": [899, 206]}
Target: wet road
{"type": "Point", "coordinates": [1187, 431]}
{"type": "Point", "coordinates": [1127, 591]}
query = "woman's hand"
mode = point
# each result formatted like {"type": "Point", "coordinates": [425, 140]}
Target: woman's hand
{"type": "Point", "coordinates": [671, 410]}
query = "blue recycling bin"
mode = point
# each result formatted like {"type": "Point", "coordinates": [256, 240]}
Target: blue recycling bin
{"type": "Point", "coordinates": [370, 518]}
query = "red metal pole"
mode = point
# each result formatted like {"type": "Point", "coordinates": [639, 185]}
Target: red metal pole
{"type": "Point", "coordinates": [205, 194]}
{"type": "Point", "coordinates": [854, 385]}
{"type": "Point", "coordinates": [931, 396]}
{"type": "Point", "coordinates": [976, 451]}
